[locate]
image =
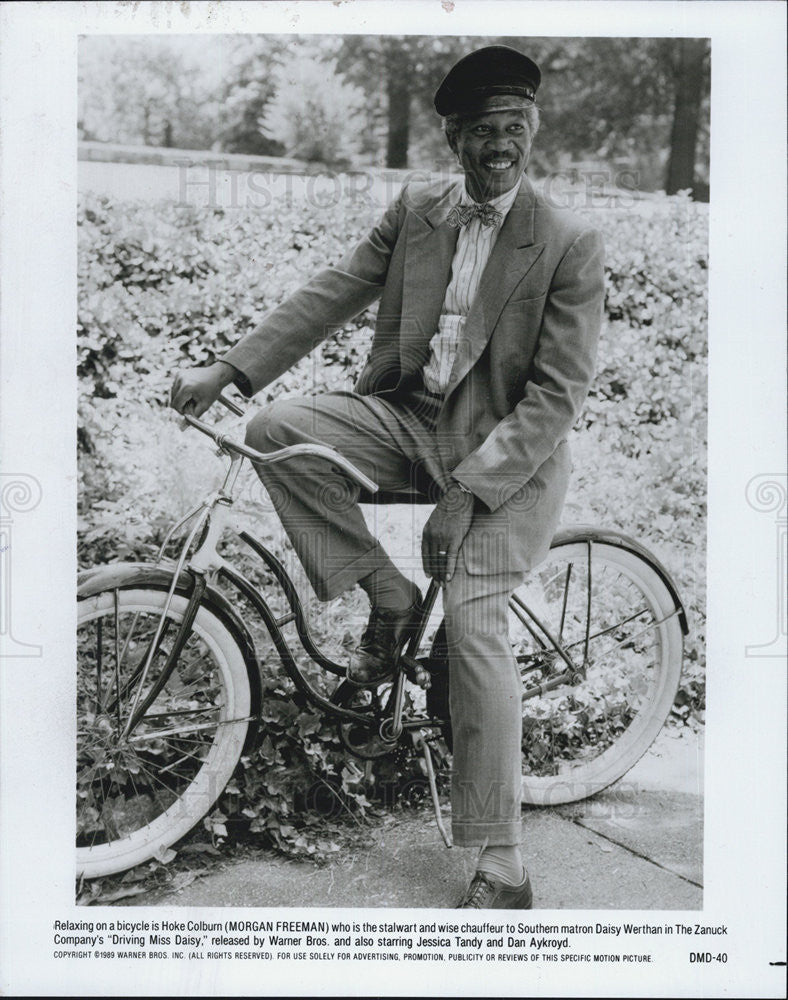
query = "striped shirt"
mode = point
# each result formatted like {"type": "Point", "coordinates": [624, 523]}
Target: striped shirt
{"type": "Point", "coordinates": [474, 246]}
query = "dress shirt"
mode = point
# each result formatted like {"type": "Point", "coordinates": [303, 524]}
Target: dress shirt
{"type": "Point", "coordinates": [474, 246]}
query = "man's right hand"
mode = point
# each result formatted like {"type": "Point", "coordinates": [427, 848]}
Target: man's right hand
{"type": "Point", "coordinates": [196, 389]}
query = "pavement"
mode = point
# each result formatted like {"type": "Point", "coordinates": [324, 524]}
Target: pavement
{"type": "Point", "coordinates": [636, 846]}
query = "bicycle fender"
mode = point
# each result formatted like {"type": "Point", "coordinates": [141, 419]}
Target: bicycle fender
{"type": "Point", "coordinates": [124, 575]}
{"type": "Point", "coordinates": [97, 578]}
{"type": "Point", "coordinates": [609, 536]}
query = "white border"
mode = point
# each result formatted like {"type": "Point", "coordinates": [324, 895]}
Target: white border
{"type": "Point", "coordinates": [745, 811]}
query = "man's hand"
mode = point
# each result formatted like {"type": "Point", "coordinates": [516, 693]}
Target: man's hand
{"type": "Point", "coordinates": [196, 389]}
{"type": "Point", "coordinates": [445, 532]}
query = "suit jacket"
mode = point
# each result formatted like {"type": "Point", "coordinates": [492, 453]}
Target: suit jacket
{"type": "Point", "coordinates": [523, 365]}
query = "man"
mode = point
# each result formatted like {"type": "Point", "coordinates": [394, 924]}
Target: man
{"type": "Point", "coordinates": [484, 348]}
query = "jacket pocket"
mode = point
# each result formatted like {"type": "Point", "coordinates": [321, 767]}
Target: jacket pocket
{"type": "Point", "coordinates": [517, 300]}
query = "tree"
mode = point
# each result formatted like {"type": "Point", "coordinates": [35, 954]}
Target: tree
{"type": "Point", "coordinates": [141, 90]}
{"type": "Point", "coordinates": [246, 86]}
{"type": "Point", "coordinates": [398, 91]}
{"type": "Point", "coordinates": [411, 67]}
{"type": "Point", "coordinates": [642, 101]}
{"type": "Point", "coordinates": [314, 113]}
{"type": "Point", "coordinates": [690, 73]}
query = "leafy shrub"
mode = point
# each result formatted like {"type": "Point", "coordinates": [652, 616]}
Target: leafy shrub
{"type": "Point", "coordinates": [167, 285]}
{"type": "Point", "coordinates": [644, 424]}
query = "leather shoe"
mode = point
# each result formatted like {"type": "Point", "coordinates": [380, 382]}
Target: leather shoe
{"type": "Point", "coordinates": [384, 638]}
{"type": "Point", "coordinates": [485, 893]}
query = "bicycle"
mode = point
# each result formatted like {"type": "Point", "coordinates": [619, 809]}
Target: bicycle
{"type": "Point", "coordinates": [169, 685]}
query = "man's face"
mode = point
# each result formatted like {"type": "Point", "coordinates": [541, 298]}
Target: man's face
{"type": "Point", "coordinates": [493, 149]}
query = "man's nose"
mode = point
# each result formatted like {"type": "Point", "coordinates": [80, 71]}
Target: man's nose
{"type": "Point", "coordinates": [501, 143]}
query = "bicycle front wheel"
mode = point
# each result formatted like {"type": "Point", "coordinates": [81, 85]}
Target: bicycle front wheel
{"type": "Point", "coordinates": [140, 791]}
{"type": "Point", "coordinates": [587, 722]}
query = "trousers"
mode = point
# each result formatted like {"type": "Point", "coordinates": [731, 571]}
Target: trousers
{"type": "Point", "coordinates": [393, 442]}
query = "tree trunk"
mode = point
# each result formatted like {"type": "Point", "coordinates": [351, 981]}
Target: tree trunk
{"type": "Point", "coordinates": [686, 114]}
{"type": "Point", "coordinates": [398, 93]}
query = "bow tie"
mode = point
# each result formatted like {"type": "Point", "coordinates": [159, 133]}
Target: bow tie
{"type": "Point", "coordinates": [461, 215]}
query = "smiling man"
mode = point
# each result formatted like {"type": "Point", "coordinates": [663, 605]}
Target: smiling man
{"type": "Point", "coordinates": [484, 349]}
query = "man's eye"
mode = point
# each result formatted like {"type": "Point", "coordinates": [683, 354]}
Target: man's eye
{"type": "Point", "coordinates": [515, 129]}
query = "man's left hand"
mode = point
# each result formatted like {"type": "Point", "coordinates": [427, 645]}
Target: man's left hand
{"type": "Point", "coordinates": [445, 532]}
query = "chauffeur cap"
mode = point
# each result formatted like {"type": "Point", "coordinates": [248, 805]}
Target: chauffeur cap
{"type": "Point", "coordinates": [495, 78]}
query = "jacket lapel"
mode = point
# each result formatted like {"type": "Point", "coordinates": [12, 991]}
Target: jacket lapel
{"type": "Point", "coordinates": [429, 251]}
{"type": "Point", "coordinates": [512, 257]}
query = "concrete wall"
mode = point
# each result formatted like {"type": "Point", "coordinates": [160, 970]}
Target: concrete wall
{"type": "Point", "coordinates": [108, 152]}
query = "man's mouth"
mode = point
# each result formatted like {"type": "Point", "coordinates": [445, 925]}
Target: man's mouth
{"type": "Point", "coordinates": [499, 163]}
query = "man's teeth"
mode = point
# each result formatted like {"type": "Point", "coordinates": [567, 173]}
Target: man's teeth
{"type": "Point", "coordinates": [499, 164]}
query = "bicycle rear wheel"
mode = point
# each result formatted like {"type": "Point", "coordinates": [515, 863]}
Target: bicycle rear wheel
{"type": "Point", "coordinates": [614, 616]}
{"type": "Point", "coordinates": [138, 793]}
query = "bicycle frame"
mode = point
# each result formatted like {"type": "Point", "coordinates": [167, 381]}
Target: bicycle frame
{"type": "Point", "coordinates": [206, 566]}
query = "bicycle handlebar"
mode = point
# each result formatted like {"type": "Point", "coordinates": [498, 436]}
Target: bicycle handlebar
{"type": "Point", "coordinates": [272, 457]}
{"type": "Point", "coordinates": [232, 406]}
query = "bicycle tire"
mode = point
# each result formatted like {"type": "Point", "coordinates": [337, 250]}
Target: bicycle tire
{"type": "Point", "coordinates": [138, 796]}
{"type": "Point", "coordinates": [580, 738]}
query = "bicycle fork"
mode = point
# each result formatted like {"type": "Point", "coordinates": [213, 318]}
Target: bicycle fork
{"type": "Point", "coordinates": [213, 514]}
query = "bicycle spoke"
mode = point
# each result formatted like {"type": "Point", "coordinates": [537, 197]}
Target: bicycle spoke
{"type": "Point", "coordinates": [611, 628]}
{"type": "Point", "coordinates": [151, 717]}
{"type": "Point", "coordinates": [137, 796]}
{"type": "Point", "coordinates": [129, 635]}
{"type": "Point", "coordinates": [629, 638]}
{"type": "Point", "coordinates": [154, 777]}
{"type": "Point", "coordinates": [103, 804]}
{"type": "Point", "coordinates": [563, 603]}
{"type": "Point", "coordinates": [99, 627]}
{"type": "Point", "coordinates": [164, 733]}
{"type": "Point", "coordinates": [589, 591]}
{"type": "Point", "coordinates": [184, 753]}
{"type": "Point", "coordinates": [185, 757]}
{"type": "Point", "coordinates": [201, 727]}
{"type": "Point", "coordinates": [116, 610]}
